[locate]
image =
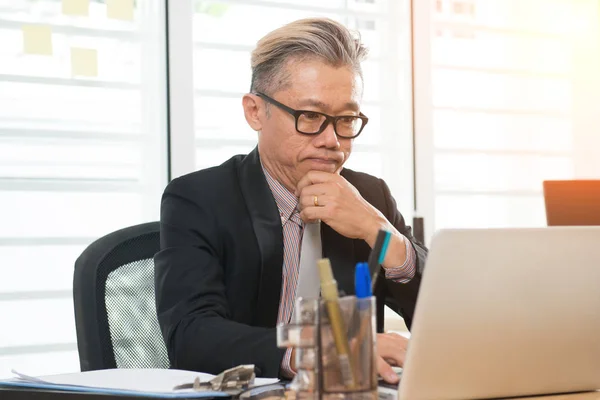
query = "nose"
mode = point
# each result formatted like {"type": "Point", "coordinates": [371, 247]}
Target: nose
{"type": "Point", "coordinates": [327, 138]}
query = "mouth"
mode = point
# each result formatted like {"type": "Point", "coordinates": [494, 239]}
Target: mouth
{"type": "Point", "coordinates": [324, 164]}
{"type": "Point", "coordinates": [327, 161]}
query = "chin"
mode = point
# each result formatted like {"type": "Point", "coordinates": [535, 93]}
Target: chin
{"type": "Point", "coordinates": [318, 165]}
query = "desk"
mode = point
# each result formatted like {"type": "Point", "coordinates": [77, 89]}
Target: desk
{"type": "Point", "coordinates": [20, 394]}
{"type": "Point", "coordinates": [579, 396]}
{"type": "Point", "coordinates": [27, 394]}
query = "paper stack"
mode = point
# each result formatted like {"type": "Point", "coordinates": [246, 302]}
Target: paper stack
{"type": "Point", "coordinates": [158, 383]}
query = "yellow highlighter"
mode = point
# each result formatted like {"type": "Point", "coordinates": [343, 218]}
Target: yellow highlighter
{"type": "Point", "coordinates": [329, 292]}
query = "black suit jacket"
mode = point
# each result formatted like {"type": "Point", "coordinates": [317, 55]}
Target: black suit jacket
{"type": "Point", "coordinates": [219, 270]}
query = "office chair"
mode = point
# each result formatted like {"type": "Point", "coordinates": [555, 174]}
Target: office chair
{"type": "Point", "coordinates": [115, 310]}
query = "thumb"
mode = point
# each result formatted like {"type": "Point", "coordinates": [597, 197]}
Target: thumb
{"type": "Point", "coordinates": [386, 371]}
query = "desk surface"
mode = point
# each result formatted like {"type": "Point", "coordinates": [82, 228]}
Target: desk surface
{"type": "Point", "coordinates": [16, 394]}
{"type": "Point", "coordinates": [26, 394]}
{"type": "Point", "coordinates": [578, 396]}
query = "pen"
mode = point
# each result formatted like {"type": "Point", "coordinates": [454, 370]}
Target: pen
{"type": "Point", "coordinates": [362, 281]}
{"type": "Point", "coordinates": [378, 254]}
{"type": "Point", "coordinates": [366, 370]}
{"type": "Point", "coordinates": [329, 292]}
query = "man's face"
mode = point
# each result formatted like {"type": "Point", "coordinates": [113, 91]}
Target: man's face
{"type": "Point", "coordinates": [315, 86]}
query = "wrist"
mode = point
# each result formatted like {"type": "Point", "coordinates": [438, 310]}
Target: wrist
{"type": "Point", "coordinates": [372, 229]}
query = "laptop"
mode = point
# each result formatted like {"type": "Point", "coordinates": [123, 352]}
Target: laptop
{"type": "Point", "coordinates": [575, 202]}
{"type": "Point", "coordinates": [506, 312]}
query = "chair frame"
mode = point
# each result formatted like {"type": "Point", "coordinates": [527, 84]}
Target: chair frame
{"type": "Point", "coordinates": [92, 267]}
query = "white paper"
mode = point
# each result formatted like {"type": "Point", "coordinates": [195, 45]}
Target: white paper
{"type": "Point", "coordinates": [142, 380]}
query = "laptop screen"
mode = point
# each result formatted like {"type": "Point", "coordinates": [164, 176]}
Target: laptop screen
{"type": "Point", "coordinates": [574, 203]}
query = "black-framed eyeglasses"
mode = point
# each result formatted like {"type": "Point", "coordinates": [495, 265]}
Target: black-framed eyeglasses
{"type": "Point", "coordinates": [314, 122]}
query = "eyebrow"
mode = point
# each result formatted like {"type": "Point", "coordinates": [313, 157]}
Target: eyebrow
{"type": "Point", "coordinates": [351, 105]}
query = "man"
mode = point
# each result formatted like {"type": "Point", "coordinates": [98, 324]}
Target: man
{"type": "Point", "coordinates": [230, 264]}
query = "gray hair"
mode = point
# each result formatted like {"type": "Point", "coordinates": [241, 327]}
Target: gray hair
{"type": "Point", "coordinates": [320, 38]}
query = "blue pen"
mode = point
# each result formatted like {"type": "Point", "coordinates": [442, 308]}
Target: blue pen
{"type": "Point", "coordinates": [366, 322]}
{"type": "Point", "coordinates": [362, 281]}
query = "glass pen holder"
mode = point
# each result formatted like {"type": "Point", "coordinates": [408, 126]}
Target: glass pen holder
{"type": "Point", "coordinates": [335, 357]}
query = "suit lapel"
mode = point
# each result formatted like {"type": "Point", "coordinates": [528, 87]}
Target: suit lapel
{"type": "Point", "coordinates": [340, 251]}
{"type": "Point", "coordinates": [269, 236]}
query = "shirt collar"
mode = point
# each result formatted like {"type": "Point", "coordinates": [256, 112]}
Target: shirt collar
{"type": "Point", "coordinates": [286, 201]}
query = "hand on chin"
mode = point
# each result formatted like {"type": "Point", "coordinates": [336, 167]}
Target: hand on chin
{"type": "Point", "coordinates": [329, 197]}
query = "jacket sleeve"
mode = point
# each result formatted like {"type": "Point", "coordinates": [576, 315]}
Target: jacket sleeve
{"type": "Point", "coordinates": [191, 303]}
{"type": "Point", "coordinates": [402, 297]}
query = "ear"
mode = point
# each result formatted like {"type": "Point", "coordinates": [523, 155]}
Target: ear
{"type": "Point", "coordinates": [253, 111]}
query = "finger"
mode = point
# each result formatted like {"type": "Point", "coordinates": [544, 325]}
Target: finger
{"type": "Point", "coordinates": [313, 177]}
{"type": "Point", "coordinates": [315, 189]}
{"type": "Point", "coordinates": [310, 201]}
{"type": "Point", "coordinates": [392, 362]}
{"type": "Point", "coordinates": [312, 214]}
{"type": "Point", "coordinates": [395, 359]}
{"type": "Point", "coordinates": [386, 371]}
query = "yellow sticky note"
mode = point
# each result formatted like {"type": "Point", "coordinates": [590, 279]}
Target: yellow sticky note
{"type": "Point", "coordinates": [120, 9]}
{"type": "Point", "coordinates": [76, 7]}
{"type": "Point", "coordinates": [37, 39]}
{"type": "Point", "coordinates": [84, 62]}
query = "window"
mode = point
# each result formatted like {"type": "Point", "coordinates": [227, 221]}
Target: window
{"type": "Point", "coordinates": [222, 75]}
{"type": "Point", "coordinates": [82, 153]}
{"type": "Point", "coordinates": [506, 107]}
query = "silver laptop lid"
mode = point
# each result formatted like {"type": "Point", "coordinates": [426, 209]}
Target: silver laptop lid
{"type": "Point", "coordinates": [506, 312]}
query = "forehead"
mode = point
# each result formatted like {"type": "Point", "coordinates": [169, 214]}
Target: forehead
{"type": "Point", "coordinates": [317, 78]}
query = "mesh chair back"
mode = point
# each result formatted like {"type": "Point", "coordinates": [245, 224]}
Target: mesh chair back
{"type": "Point", "coordinates": [115, 309]}
{"type": "Point", "coordinates": [131, 311]}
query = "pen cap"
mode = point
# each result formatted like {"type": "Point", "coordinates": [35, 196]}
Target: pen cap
{"type": "Point", "coordinates": [328, 283]}
{"type": "Point", "coordinates": [362, 281]}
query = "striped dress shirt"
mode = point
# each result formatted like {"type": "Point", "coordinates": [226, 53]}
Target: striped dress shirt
{"type": "Point", "coordinates": [293, 227]}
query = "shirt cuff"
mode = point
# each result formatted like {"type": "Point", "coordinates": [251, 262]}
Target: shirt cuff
{"type": "Point", "coordinates": [286, 365]}
{"type": "Point", "coordinates": [405, 272]}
